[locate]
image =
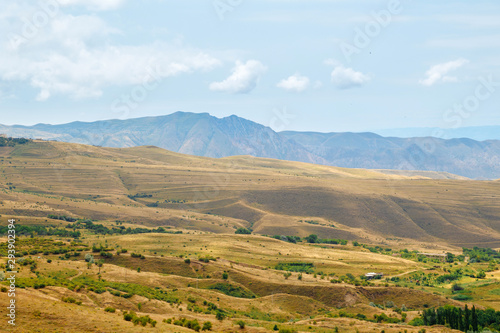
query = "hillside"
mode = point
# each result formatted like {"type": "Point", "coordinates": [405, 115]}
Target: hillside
{"type": "Point", "coordinates": [272, 197]}
{"type": "Point", "coordinates": [143, 239]}
{"type": "Point", "coordinates": [187, 133]}
{"type": "Point", "coordinates": [205, 135]}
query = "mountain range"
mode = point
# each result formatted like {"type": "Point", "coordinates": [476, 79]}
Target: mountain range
{"type": "Point", "coordinates": [204, 135]}
{"type": "Point", "coordinates": [479, 133]}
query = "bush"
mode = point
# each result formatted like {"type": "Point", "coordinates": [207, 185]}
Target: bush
{"type": "Point", "coordinates": [207, 326]}
{"type": "Point", "coordinates": [107, 255]}
{"type": "Point", "coordinates": [225, 275]}
{"type": "Point", "coordinates": [241, 324]}
{"type": "Point", "coordinates": [417, 322]}
{"type": "Point", "coordinates": [243, 231]}
{"type": "Point", "coordinates": [71, 300]}
{"type": "Point", "coordinates": [143, 321]}
{"type": "Point", "coordinates": [187, 261]}
{"type": "Point", "coordinates": [220, 315]}
{"type": "Point", "coordinates": [110, 309]}
{"type": "Point", "coordinates": [191, 324]}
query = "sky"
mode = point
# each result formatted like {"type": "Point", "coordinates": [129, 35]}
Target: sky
{"type": "Point", "coordinates": [308, 65]}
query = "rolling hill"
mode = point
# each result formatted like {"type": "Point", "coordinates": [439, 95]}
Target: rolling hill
{"type": "Point", "coordinates": [205, 135]}
{"type": "Point", "coordinates": [272, 197]}
{"type": "Point", "coordinates": [143, 239]}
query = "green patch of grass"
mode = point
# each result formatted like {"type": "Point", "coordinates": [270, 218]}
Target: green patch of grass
{"type": "Point", "coordinates": [295, 267]}
{"type": "Point", "coordinates": [462, 297]}
{"type": "Point", "coordinates": [231, 290]}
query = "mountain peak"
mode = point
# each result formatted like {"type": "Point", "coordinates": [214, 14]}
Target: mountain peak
{"type": "Point", "coordinates": [205, 135]}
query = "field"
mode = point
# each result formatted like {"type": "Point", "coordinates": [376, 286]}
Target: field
{"type": "Point", "coordinates": [106, 231]}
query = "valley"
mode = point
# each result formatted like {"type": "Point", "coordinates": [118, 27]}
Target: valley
{"type": "Point", "coordinates": [132, 236]}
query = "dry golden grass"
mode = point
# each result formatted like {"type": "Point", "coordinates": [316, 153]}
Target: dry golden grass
{"type": "Point", "coordinates": [208, 199]}
{"type": "Point", "coordinates": [219, 195]}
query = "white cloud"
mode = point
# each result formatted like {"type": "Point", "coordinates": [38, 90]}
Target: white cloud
{"type": "Point", "coordinates": [244, 78]}
{"type": "Point", "coordinates": [438, 73]}
{"type": "Point", "coordinates": [295, 83]}
{"type": "Point", "coordinates": [345, 78]}
{"type": "Point", "coordinates": [73, 56]}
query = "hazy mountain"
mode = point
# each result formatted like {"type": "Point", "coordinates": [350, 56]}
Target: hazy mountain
{"type": "Point", "coordinates": [479, 133]}
{"type": "Point", "coordinates": [188, 133]}
{"type": "Point", "coordinates": [463, 157]}
{"type": "Point", "coordinates": [205, 135]}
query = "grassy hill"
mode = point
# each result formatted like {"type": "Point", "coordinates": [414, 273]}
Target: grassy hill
{"type": "Point", "coordinates": [152, 186]}
{"type": "Point", "coordinates": [162, 225]}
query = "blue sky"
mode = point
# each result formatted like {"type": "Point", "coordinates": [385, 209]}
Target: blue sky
{"type": "Point", "coordinates": [315, 65]}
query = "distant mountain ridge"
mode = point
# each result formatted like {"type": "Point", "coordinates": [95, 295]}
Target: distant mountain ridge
{"type": "Point", "coordinates": [464, 157]}
{"type": "Point", "coordinates": [204, 135]}
{"type": "Point", "coordinates": [183, 132]}
{"type": "Point", "coordinates": [478, 133]}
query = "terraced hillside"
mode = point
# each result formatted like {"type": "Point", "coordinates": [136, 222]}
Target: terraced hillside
{"type": "Point", "coordinates": [142, 239]}
{"type": "Point", "coordinates": [156, 187]}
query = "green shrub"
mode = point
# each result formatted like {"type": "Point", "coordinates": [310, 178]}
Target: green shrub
{"type": "Point", "coordinates": [462, 297]}
{"type": "Point", "coordinates": [207, 326]}
{"type": "Point", "coordinates": [243, 231]}
{"type": "Point", "coordinates": [110, 309]}
{"type": "Point", "coordinates": [71, 300]}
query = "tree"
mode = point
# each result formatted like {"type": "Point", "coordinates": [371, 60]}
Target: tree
{"type": "Point", "coordinates": [312, 238]}
{"type": "Point", "coordinates": [99, 264]}
{"type": "Point", "coordinates": [460, 320]}
{"type": "Point", "coordinates": [225, 275]}
{"type": "Point", "coordinates": [474, 319]}
{"type": "Point", "coordinates": [450, 257]}
{"type": "Point", "coordinates": [466, 318]}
